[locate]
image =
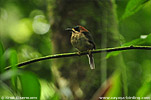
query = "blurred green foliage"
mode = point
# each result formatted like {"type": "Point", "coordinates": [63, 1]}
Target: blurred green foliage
{"type": "Point", "coordinates": [25, 27]}
{"type": "Point", "coordinates": [132, 7]}
{"type": "Point", "coordinates": [2, 64]}
{"type": "Point", "coordinates": [30, 85]}
{"type": "Point", "coordinates": [144, 40]}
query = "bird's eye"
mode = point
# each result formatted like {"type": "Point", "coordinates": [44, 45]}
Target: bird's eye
{"type": "Point", "coordinates": [77, 29]}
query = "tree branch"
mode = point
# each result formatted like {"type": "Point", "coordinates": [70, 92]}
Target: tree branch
{"type": "Point", "coordinates": [81, 53]}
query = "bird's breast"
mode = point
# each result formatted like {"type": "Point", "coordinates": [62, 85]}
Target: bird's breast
{"type": "Point", "coordinates": [80, 42]}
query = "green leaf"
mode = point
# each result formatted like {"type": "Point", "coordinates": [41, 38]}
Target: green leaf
{"type": "Point", "coordinates": [13, 63]}
{"type": "Point", "coordinates": [114, 53]}
{"type": "Point", "coordinates": [145, 90]}
{"type": "Point", "coordinates": [114, 89]}
{"type": "Point", "coordinates": [29, 83]}
{"type": "Point", "coordinates": [139, 42]}
{"type": "Point", "coordinates": [30, 86]}
{"type": "Point", "coordinates": [55, 97]}
{"type": "Point", "coordinates": [1, 49]}
{"type": "Point", "coordinates": [133, 6]}
{"type": "Point", "coordinates": [13, 59]}
{"type": "Point", "coordinates": [2, 60]}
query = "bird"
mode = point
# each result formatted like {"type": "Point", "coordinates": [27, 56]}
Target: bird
{"type": "Point", "coordinates": [82, 40]}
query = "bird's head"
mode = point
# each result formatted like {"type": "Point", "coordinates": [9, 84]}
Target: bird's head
{"type": "Point", "coordinates": [76, 29]}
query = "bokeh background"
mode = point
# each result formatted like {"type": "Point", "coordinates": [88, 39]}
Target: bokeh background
{"type": "Point", "coordinates": [35, 28]}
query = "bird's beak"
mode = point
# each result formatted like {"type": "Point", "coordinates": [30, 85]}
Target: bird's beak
{"type": "Point", "coordinates": [68, 29]}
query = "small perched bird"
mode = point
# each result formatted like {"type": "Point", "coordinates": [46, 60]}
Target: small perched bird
{"type": "Point", "coordinates": [83, 41]}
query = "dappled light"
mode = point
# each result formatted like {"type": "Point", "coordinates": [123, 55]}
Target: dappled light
{"type": "Point", "coordinates": [44, 43]}
{"type": "Point", "coordinates": [40, 24]}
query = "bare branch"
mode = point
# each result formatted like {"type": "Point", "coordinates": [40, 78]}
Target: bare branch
{"type": "Point", "coordinates": [82, 53]}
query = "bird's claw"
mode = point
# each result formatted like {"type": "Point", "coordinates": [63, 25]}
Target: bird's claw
{"type": "Point", "coordinates": [89, 51]}
{"type": "Point", "coordinates": [79, 53]}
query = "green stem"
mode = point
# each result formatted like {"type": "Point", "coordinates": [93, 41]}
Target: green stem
{"type": "Point", "coordinates": [82, 53]}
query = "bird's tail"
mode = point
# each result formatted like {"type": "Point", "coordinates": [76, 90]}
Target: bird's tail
{"type": "Point", "coordinates": [91, 61]}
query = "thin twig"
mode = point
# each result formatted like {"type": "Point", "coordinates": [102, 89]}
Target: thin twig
{"type": "Point", "coordinates": [82, 53]}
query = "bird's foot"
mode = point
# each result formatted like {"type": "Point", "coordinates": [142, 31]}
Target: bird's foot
{"type": "Point", "coordinates": [89, 51]}
{"type": "Point", "coordinates": [79, 53]}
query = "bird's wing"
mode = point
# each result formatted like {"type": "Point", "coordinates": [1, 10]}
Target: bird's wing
{"type": "Point", "coordinates": [90, 38]}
